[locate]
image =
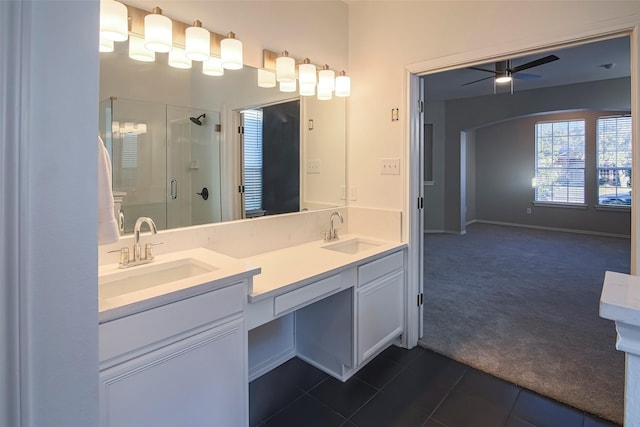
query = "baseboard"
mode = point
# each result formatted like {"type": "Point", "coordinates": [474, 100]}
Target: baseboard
{"type": "Point", "coordinates": [444, 232]}
{"type": "Point", "coordinates": [272, 363]}
{"type": "Point", "coordinates": [563, 230]}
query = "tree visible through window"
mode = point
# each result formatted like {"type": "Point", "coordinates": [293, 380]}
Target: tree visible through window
{"type": "Point", "coordinates": [614, 160]}
{"type": "Point", "coordinates": [560, 165]}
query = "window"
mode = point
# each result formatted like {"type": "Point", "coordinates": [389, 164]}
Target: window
{"type": "Point", "coordinates": [252, 163]}
{"type": "Point", "coordinates": [614, 160]}
{"type": "Point", "coordinates": [560, 151]}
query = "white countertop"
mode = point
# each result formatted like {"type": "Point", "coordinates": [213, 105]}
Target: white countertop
{"type": "Point", "coordinates": [290, 268]}
{"type": "Point", "coordinates": [227, 271]}
{"type": "Point", "coordinates": [620, 298]}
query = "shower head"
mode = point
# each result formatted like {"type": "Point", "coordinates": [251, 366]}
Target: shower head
{"type": "Point", "coordinates": [197, 120]}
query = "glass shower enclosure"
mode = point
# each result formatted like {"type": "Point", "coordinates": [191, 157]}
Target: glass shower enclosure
{"type": "Point", "coordinates": [165, 162]}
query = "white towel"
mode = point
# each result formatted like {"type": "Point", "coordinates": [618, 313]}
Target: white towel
{"type": "Point", "coordinates": [107, 225]}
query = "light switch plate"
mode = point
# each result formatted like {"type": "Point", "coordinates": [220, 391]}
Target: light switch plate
{"type": "Point", "coordinates": [390, 166]}
{"type": "Point", "coordinates": [313, 166]}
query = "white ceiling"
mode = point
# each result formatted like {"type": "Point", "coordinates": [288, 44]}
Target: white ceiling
{"type": "Point", "coordinates": [577, 64]}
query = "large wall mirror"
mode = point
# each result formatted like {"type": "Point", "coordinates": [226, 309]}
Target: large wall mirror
{"type": "Point", "coordinates": [190, 149]}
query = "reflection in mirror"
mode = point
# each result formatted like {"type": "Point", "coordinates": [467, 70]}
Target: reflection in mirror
{"type": "Point", "coordinates": [160, 165]}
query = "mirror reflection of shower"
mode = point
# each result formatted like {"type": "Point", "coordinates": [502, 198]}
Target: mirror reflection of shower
{"type": "Point", "coordinates": [153, 145]}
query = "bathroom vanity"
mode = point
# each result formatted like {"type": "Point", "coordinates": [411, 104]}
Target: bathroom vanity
{"type": "Point", "coordinates": [180, 338]}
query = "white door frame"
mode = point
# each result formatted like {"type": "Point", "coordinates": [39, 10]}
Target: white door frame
{"type": "Point", "coordinates": [629, 26]}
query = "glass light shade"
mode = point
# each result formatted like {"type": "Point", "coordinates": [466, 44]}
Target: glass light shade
{"type": "Point", "coordinates": [503, 77]}
{"type": "Point", "coordinates": [114, 22]}
{"type": "Point", "coordinates": [158, 33]}
{"type": "Point", "coordinates": [231, 52]}
{"type": "Point", "coordinates": [307, 89]}
{"type": "Point", "coordinates": [177, 59]}
{"type": "Point", "coordinates": [138, 51]}
{"type": "Point", "coordinates": [327, 79]}
{"type": "Point", "coordinates": [106, 45]}
{"type": "Point", "coordinates": [266, 78]}
{"type": "Point", "coordinates": [343, 85]}
{"type": "Point", "coordinates": [197, 42]}
{"type": "Point", "coordinates": [324, 94]}
{"type": "Point", "coordinates": [212, 67]}
{"type": "Point", "coordinates": [307, 73]}
{"type": "Point", "coordinates": [288, 86]}
{"type": "Point", "coordinates": [285, 68]}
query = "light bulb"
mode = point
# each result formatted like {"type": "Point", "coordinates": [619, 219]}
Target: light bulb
{"type": "Point", "coordinates": [197, 42]}
{"type": "Point", "coordinates": [285, 68]}
{"type": "Point", "coordinates": [158, 33]}
{"type": "Point", "coordinates": [114, 22]}
{"type": "Point", "coordinates": [231, 52]}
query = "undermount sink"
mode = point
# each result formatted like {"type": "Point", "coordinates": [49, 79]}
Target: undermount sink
{"type": "Point", "coordinates": [352, 246]}
{"type": "Point", "coordinates": [150, 275]}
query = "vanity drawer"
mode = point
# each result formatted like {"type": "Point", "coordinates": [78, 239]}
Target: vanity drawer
{"type": "Point", "coordinates": [380, 267]}
{"type": "Point", "coordinates": [130, 335]}
{"type": "Point", "coordinates": [302, 296]}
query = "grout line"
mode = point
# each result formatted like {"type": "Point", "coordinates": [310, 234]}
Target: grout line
{"type": "Point", "coordinates": [448, 393]}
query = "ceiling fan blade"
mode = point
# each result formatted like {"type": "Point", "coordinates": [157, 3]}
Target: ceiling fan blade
{"type": "Point", "coordinates": [537, 62]}
{"type": "Point", "coordinates": [481, 69]}
{"type": "Point", "coordinates": [526, 76]}
{"type": "Point", "coordinates": [476, 81]}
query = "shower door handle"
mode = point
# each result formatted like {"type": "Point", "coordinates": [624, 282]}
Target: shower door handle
{"type": "Point", "coordinates": [174, 189]}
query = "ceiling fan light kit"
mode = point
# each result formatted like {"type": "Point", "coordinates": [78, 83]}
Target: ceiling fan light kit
{"type": "Point", "coordinates": [505, 73]}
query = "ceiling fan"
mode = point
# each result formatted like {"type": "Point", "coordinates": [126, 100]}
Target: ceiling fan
{"type": "Point", "coordinates": [503, 72]}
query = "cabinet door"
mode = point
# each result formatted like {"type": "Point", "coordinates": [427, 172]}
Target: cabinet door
{"type": "Point", "coordinates": [199, 381]}
{"type": "Point", "coordinates": [380, 314]}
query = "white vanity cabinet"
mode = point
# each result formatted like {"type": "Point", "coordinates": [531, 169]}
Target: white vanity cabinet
{"type": "Point", "coordinates": [379, 304]}
{"type": "Point", "coordinates": [183, 363]}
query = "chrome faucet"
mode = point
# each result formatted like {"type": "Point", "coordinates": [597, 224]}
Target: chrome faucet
{"type": "Point", "coordinates": [137, 248]}
{"type": "Point", "coordinates": [333, 233]}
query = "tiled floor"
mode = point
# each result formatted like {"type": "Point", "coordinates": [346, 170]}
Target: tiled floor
{"type": "Point", "coordinates": [403, 388]}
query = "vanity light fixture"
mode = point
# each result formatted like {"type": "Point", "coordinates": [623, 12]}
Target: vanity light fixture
{"type": "Point", "coordinates": [504, 77]}
{"type": "Point", "coordinates": [288, 86]}
{"type": "Point", "coordinates": [324, 93]}
{"type": "Point", "coordinates": [307, 89]}
{"type": "Point", "coordinates": [285, 68]}
{"type": "Point", "coordinates": [307, 77]}
{"type": "Point", "coordinates": [114, 24]}
{"type": "Point", "coordinates": [266, 78]}
{"type": "Point", "coordinates": [138, 51]}
{"type": "Point", "coordinates": [197, 42]}
{"type": "Point", "coordinates": [158, 32]}
{"type": "Point", "coordinates": [212, 67]}
{"type": "Point", "coordinates": [178, 59]}
{"type": "Point", "coordinates": [343, 84]}
{"type": "Point", "coordinates": [106, 45]}
{"type": "Point", "coordinates": [231, 52]}
{"type": "Point", "coordinates": [326, 79]}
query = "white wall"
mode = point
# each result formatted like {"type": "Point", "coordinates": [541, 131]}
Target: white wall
{"type": "Point", "coordinates": [387, 36]}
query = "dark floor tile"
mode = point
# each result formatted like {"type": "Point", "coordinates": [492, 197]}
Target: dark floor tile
{"type": "Point", "coordinates": [308, 412]}
{"type": "Point", "coordinates": [343, 397]}
{"type": "Point", "coordinates": [593, 421]}
{"type": "Point", "coordinates": [279, 387]}
{"type": "Point", "coordinates": [514, 421]}
{"type": "Point", "coordinates": [402, 355]}
{"type": "Point", "coordinates": [388, 410]}
{"type": "Point", "coordinates": [432, 423]}
{"type": "Point", "coordinates": [488, 388]}
{"type": "Point", "coordinates": [379, 372]}
{"type": "Point", "coordinates": [461, 409]}
{"type": "Point", "coordinates": [428, 371]}
{"type": "Point", "coordinates": [348, 424]}
{"type": "Point", "coordinates": [543, 412]}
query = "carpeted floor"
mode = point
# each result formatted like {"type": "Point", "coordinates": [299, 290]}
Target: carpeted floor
{"type": "Point", "coordinates": [522, 304]}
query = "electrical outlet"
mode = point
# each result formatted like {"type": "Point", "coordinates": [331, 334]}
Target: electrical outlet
{"type": "Point", "coordinates": [353, 193]}
{"type": "Point", "coordinates": [313, 166]}
{"type": "Point", "coordinates": [390, 166]}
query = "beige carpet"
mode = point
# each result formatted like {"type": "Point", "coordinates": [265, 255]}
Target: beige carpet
{"type": "Point", "coordinates": [522, 304]}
